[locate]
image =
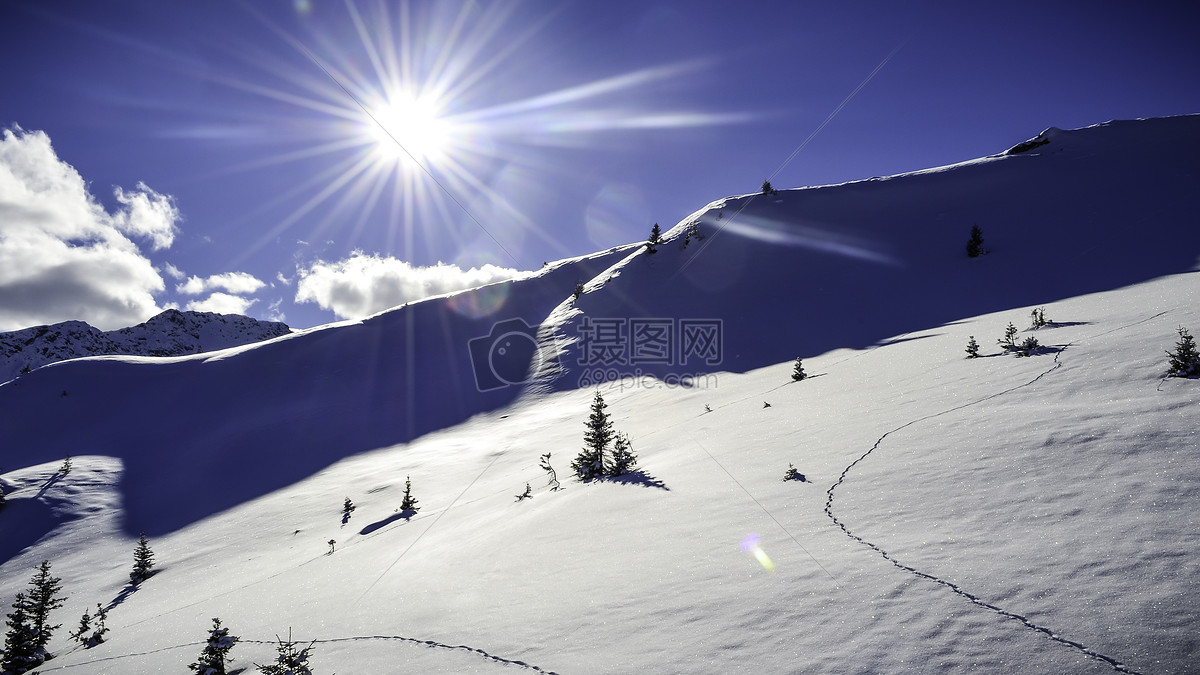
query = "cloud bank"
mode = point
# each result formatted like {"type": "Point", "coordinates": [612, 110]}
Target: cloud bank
{"type": "Point", "coordinates": [364, 284]}
{"type": "Point", "coordinates": [62, 255]}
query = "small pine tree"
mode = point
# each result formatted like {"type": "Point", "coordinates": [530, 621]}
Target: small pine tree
{"type": "Point", "coordinates": [975, 243]}
{"type": "Point", "coordinates": [215, 656]}
{"type": "Point", "coordinates": [1185, 360]}
{"type": "Point", "coordinates": [1008, 342]}
{"type": "Point", "coordinates": [1029, 346]}
{"type": "Point", "coordinates": [707, 408]}
{"type": "Point", "coordinates": [143, 561]}
{"type": "Point", "coordinates": [347, 508]}
{"type": "Point", "coordinates": [289, 661]}
{"type": "Point", "coordinates": [85, 626]}
{"type": "Point", "coordinates": [43, 599]}
{"type": "Point", "coordinates": [66, 466]}
{"type": "Point", "coordinates": [654, 240]}
{"type": "Point", "coordinates": [545, 466]}
{"type": "Point", "coordinates": [972, 348]}
{"type": "Point", "coordinates": [793, 474]}
{"type": "Point", "coordinates": [578, 290]}
{"type": "Point", "coordinates": [1037, 318]}
{"type": "Point", "coordinates": [100, 629]}
{"type": "Point", "coordinates": [26, 369]}
{"type": "Point", "coordinates": [408, 502]}
{"type": "Point", "coordinates": [798, 372]}
{"type": "Point", "coordinates": [21, 651]}
{"type": "Point", "coordinates": [527, 494]}
{"type": "Point", "coordinates": [623, 458]}
{"type": "Point", "coordinates": [2, 502]}
{"type": "Point", "coordinates": [767, 189]}
{"type": "Point", "coordinates": [589, 463]}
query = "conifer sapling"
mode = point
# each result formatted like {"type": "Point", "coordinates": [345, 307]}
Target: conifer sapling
{"type": "Point", "coordinates": [215, 656]}
{"type": "Point", "coordinates": [545, 466]}
{"type": "Point", "coordinates": [1037, 318]}
{"type": "Point", "coordinates": [972, 348]}
{"type": "Point", "coordinates": [793, 474]}
{"type": "Point", "coordinates": [528, 493]}
{"type": "Point", "coordinates": [347, 508]}
{"type": "Point", "coordinates": [1185, 360]}
{"type": "Point", "coordinates": [408, 502]}
{"type": "Point", "coordinates": [1007, 343]}
{"type": "Point", "coordinates": [798, 372]}
{"type": "Point", "coordinates": [85, 626]}
{"type": "Point", "coordinates": [289, 660]}
{"type": "Point", "coordinates": [623, 458]}
{"type": "Point", "coordinates": [143, 561]}
{"type": "Point", "coordinates": [975, 243]}
{"type": "Point", "coordinates": [99, 629]}
{"type": "Point", "coordinates": [66, 466]}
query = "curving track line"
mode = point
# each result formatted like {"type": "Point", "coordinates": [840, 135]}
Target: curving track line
{"type": "Point", "coordinates": [432, 644]}
{"type": "Point", "coordinates": [1116, 665]}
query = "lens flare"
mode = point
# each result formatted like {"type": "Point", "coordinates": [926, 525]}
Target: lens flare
{"type": "Point", "coordinates": [750, 545]}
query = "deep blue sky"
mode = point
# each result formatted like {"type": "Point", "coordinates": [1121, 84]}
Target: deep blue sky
{"type": "Point", "coordinates": [216, 105]}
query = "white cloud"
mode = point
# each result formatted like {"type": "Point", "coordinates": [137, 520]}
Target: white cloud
{"type": "Point", "coordinates": [62, 255]}
{"type": "Point", "coordinates": [274, 313]}
{"type": "Point", "coordinates": [238, 283]}
{"type": "Point", "coordinates": [147, 214]}
{"type": "Point", "coordinates": [173, 271]}
{"type": "Point", "coordinates": [221, 303]}
{"type": "Point", "coordinates": [193, 286]}
{"type": "Point", "coordinates": [364, 284]}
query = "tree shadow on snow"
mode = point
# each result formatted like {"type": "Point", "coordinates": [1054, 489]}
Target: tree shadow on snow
{"type": "Point", "coordinates": [641, 478]}
{"type": "Point", "coordinates": [407, 514]}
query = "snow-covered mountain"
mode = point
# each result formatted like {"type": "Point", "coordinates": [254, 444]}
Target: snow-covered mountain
{"type": "Point", "coordinates": [995, 514]}
{"type": "Point", "coordinates": [170, 333]}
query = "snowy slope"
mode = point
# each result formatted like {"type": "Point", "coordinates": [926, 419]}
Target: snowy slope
{"type": "Point", "coordinates": [999, 514]}
{"type": "Point", "coordinates": [171, 333]}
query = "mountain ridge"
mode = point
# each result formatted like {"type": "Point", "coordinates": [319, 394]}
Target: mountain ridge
{"type": "Point", "coordinates": [170, 333]}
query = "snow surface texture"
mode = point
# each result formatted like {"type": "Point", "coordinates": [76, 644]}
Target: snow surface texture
{"type": "Point", "coordinates": [170, 333]}
{"type": "Point", "coordinates": [997, 514]}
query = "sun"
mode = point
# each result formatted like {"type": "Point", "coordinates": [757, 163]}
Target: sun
{"type": "Point", "coordinates": [406, 127]}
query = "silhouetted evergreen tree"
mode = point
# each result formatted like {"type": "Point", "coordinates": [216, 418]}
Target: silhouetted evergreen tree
{"type": "Point", "coordinates": [21, 652]}
{"type": "Point", "coordinates": [143, 561]}
{"type": "Point", "coordinates": [589, 463]}
{"type": "Point", "coordinates": [43, 599]}
{"type": "Point", "coordinates": [654, 240]}
{"type": "Point", "coordinates": [975, 243]}
{"type": "Point", "coordinates": [347, 508]}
